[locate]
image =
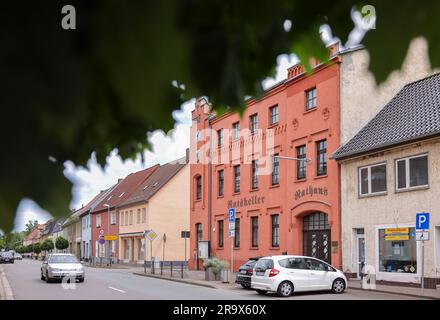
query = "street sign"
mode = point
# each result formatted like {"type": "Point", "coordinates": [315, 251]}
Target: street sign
{"type": "Point", "coordinates": [110, 238]}
{"type": "Point", "coordinates": [185, 234]}
{"type": "Point", "coordinates": [101, 232]}
{"type": "Point", "coordinates": [231, 233]}
{"type": "Point", "coordinates": [422, 221]}
{"type": "Point", "coordinates": [231, 226]}
{"type": "Point", "coordinates": [101, 241]}
{"type": "Point", "coordinates": [422, 236]}
{"type": "Point", "coordinates": [151, 235]}
{"type": "Point", "coordinates": [231, 214]}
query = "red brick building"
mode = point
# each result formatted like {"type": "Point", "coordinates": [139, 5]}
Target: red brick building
{"type": "Point", "coordinates": [283, 205]}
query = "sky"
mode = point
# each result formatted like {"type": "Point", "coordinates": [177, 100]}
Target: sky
{"type": "Point", "coordinates": [90, 180]}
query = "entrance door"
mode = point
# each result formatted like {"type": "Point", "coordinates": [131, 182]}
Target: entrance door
{"type": "Point", "coordinates": [360, 252]}
{"type": "Point", "coordinates": [317, 236]}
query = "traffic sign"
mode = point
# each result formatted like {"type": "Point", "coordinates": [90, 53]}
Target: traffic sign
{"type": "Point", "coordinates": [422, 221]}
{"type": "Point", "coordinates": [101, 241]}
{"type": "Point", "coordinates": [101, 232]}
{"type": "Point", "coordinates": [422, 236]}
{"type": "Point", "coordinates": [231, 233]}
{"type": "Point", "coordinates": [185, 234]}
{"type": "Point", "coordinates": [110, 238]}
{"type": "Point", "coordinates": [231, 214]}
{"type": "Point", "coordinates": [150, 234]}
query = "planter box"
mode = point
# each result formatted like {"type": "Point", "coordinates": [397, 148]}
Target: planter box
{"type": "Point", "coordinates": [210, 276]}
{"type": "Point", "coordinates": [225, 276]}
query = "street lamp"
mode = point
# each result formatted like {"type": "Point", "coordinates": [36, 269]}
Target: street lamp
{"type": "Point", "coordinates": [108, 230]}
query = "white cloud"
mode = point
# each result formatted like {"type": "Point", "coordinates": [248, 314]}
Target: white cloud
{"type": "Point", "coordinates": [29, 210]}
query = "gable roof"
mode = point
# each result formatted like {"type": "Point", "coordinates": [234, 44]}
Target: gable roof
{"type": "Point", "coordinates": [155, 182]}
{"type": "Point", "coordinates": [58, 226]}
{"type": "Point", "coordinates": [413, 114]}
{"type": "Point", "coordinates": [123, 190]}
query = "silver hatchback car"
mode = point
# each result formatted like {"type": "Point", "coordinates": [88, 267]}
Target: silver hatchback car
{"type": "Point", "coordinates": [62, 265]}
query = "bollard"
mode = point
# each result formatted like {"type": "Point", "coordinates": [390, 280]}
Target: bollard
{"type": "Point", "coordinates": [171, 269]}
{"type": "Point", "coordinates": [161, 268]}
{"type": "Point", "coordinates": [181, 268]}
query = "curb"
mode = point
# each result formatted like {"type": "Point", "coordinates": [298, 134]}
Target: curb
{"type": "Point", "coordinates": [175, 280]}
{"type": "Point", "coordinates": [397, 293]}
{"type": "Point", "coordinates": [5, 288]}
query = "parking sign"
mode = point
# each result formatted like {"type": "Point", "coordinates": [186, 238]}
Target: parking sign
{"type": "Point", "coordinates": [231, 214]}
{"type": "Point", "coordinates": [422, 221]}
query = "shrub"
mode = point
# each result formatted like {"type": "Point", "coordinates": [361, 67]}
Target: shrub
{"type": "Point", "coordinates": [61, 243]}
{"type": "Point", "coordinates": [47, 245]}
{"type": "Point", "coordinates": [215, 264]}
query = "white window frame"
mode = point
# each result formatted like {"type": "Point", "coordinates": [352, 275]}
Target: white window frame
{"type": "Point", "coordinates": [113, 217]}
{"type": "Point", "coordinates": [370, 192]}
{"type": "Point", "coordinates": [98, 221]}
{"type": "Point", "coordinates": [407, 173]}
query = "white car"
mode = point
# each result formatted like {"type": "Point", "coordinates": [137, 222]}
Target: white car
{"type": "Point", "coordinates": [62, 265]}
{"type": "Point", "coordinates": [288, 274]}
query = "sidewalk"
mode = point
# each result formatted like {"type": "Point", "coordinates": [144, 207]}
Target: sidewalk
{"type": "Point", "coordinates": [405, 291]}
{"type": "Point", "coordinates": [193, 277]}
{"type": "Point", "coordinates": [5, 288]}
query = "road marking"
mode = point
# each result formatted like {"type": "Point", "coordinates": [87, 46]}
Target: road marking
{"type": "Point", "coordinates": [121, 291]}
{"type": "Point", "coordinates": [5, 288]}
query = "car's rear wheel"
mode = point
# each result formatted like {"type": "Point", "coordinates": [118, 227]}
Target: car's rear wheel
{"type": "Point", "coordinates": [246, 286]}
{"type": "Point", "coordinates": [261, 291]}
{"type": "Point", "coordinates": [285, 289]}
{"type": "Point", "coordinates": [338, 286]}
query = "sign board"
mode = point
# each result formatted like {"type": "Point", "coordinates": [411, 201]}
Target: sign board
{"type": "Point", "coordinates": [422, 236]}
{"type": "Point", "coordinates": [231, 214]}
{"type": "Point", "coordinates": [151, 235]}
{"type": "Point", "coordinates": [397, 238]}
{"type": "Point", "coordinates": [101, 241]}
{"type": "Point", "coordinates": [397, 230]}
{"type": "Point", "coordinates": [231, 233]}
{"type": "Point", "coordinates": [203, 247]}
{"type": "Point", "coordinates": [422, 221]}
{"type": "Point", "coordinates": [110, 238]}
{"type": "Point", "coordinates": [397, 234]}
{"type": "Point", "coordinates": [185, 234]}
{"type": "Point", "coordinates": [101, 232]}
{"type": "Point", "coordinates": [231, 226]}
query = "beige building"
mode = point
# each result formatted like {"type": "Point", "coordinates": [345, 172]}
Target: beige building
{"type": "Point", "coordinates": [389, 173]}
{"type": "Point", "coordinates": [160, 204]}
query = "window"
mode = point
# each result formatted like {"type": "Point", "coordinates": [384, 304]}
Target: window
{"type": "Point", "coordinates": [131, 217]}
{"type": "Point", "coordinates": [236, 179]}
{"type": "Point", "coordinates": [301, 166]}
{"type": "Point", "coordinates": [113, 217]}
{"type": "Point", "coordinates": [254, 234]}
{"type": "Point", "coordinates": [373, 179]}
{"type": "Point", "coordinates": [254, 174]}
{"type": "Point", "coordinates": [275, 230]}
{"type": "Point", "coordinates": [126, 218]}
{"type": "Point", "coordinates": [275, 169]}
{"type": "Point", "coordinates": [198, 135]}
{"type": "Point", "coordinates": [199, 232]}
{"type": "Point", "coordinates": [121, 218]}
{"type": "Point", "coordinates": [219, 137]}
{"type": "Point", "coordinates": [237, 233]}
{"type": "Point", "coordinates": [220, 234]}
{"type": "Point", "coordinates": [221, 182]}
{"type": "Point", "coordinates": [144, 215]}
{"type": "Point", "coordinates": [254, 123]}
{"type": "Point", "coordinates": [138, 220]}
{"type": "Point", "coordinates": [397, 250]}
{"type": "Point", "coordinates": [412, 172]}
{"type": "Point", "coordinates": [198, 188]}
{"type": "Point", "coordinates": [113, 246]}
{"type": "Point", "coordinates": [98, 221]}
{"type": "Point", "coordinates": [273, 115]}
{"type": "Point", "coordinates": [321, 157]}
{"type": "Point", "coordinates": [96, 248]}
{"type": "Point", "coordinates": [236, 130]}
{"type": "Point", "coordinates": [311, 97]}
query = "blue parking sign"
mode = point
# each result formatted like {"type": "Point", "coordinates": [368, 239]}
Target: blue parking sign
{"type": "Point", "coordinates": [422, 221]}
{"type": "Point", "coordinates": [231, 214]}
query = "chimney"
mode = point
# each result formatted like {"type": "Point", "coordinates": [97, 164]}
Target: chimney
{"type": "Point", "coordinates": [187, 155]}
{"type": "Point", "coordinates": [333, 49]}
{"type": "Point", "coordinates": [120, 179]}
{"type": "Point", "coordinates": [295, 70]}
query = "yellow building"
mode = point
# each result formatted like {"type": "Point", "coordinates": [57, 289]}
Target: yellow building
{"type": "Point", "coordinates": [160, 204]}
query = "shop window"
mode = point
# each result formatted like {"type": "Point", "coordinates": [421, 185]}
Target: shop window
{"type": "Point", "coordinates": [412, 172]}
{"type": "Point", "coordinates": [373, 179]}
{"type": "Point", "coordinates": [397, 250]}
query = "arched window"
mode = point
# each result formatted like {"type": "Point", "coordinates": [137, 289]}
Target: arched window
{"type": "Point", "coordinates": [316, 221]}
{"type": "Point", "coordinates": [198, 183]}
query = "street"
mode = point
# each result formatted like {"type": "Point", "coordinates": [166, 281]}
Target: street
{"type": "Point", "coordinates": [122, 284]}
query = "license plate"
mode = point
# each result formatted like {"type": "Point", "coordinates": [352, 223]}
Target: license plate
{"type": "Point", "coordinates": [260, 273]}
{"type": "Point", "coordinates": [243, 271]}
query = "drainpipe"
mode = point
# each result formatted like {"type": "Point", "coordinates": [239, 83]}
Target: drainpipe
{"type": "Point", "coordinates": [210, 186]}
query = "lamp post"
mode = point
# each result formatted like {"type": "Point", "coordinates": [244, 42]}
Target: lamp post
{"type": "Point", "coordinates": [108, 230]}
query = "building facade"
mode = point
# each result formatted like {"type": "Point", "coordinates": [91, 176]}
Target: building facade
{"type": "Point", "coordinates": [389, 173]}
{"type": "Point", "coordinates": [72, 232]}
{"type": "Point", "coordinates": [283, 205]}
{"type": "Point", "coordinates": [159, 200]}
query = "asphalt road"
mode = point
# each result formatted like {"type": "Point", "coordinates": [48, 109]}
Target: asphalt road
{"type": "Point", "coordinates": [122, 284]}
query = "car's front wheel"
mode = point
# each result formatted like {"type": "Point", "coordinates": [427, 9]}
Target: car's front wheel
{"type": "Point", "coordinates": [48, 280]}
{"type": "Point", "coordinates": [42, 277]}
{"type": "Point", "coordinates": [285, 289]}
{"type": "Point", "coordinates": [338, 286]}
{"type": "Point", "coordinates": [261, 291]}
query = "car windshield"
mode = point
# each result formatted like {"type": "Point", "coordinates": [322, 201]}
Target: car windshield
{"type": "Point", "coordinates": [63, 259]}
{"type": "Point", "coordinates": [250, 263]}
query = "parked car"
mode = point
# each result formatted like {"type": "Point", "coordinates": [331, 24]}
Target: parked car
{"type": "Point", "coordinates": [288, 274]}
{"type": "Point", "coordinates": [6, 257]}
{"type": "Point", "coordinates": [60, 265]}
{"type": "Point", "coordinates": [18, 256]}
{"type": "Point", "coordinates": [245, 273]}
